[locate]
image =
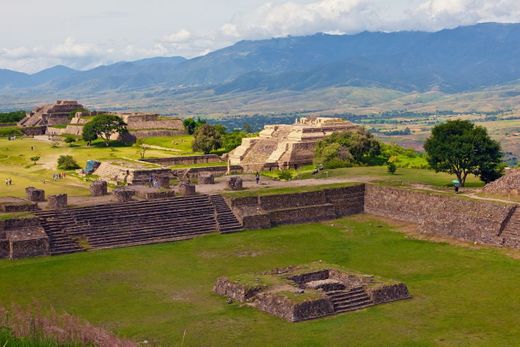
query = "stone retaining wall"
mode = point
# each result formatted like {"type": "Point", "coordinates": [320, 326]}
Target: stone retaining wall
{"type": "Point", "coordinates": [463, 219]}
{"type": "Point", "coordinates": [187, 160]}
{"type": "Point", "coordinates": [388, 293]}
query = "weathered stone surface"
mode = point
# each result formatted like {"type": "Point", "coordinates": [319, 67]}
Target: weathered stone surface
{"type": "Point", "coordinates": [34, 194]}
{"type": "Point", "coordinates": [185, 160]}
{"type": "Point", "coordinates": [206, 178]}
{"type": "Point", "coordinates": [233, 290]}
{"type": "Point", "coordinates": [99, 188]}
{"type": "Point", "coordinates": [25, 242]}
{"type": "Point", "coordinates": [463, 219]}
{"type": "Point", "coordinates": [235, 183]}
{"type": "Point", "coordinates": [163, 181]}
{"type": "Point", "coordinates": [56, 202]}
{"type": "Point", "coordinates": [186, 189]}
{"type": "Point", "coordinates": [124, 195]}
{"type": "Point", "coordinates": [509, 184]}
{"type": "Point", "coordinates": [388, 293]}
{"type": "Point", "coordinates": [10, 204]}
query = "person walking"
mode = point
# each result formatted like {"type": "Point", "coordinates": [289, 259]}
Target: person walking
{"type": "Point", "coordinates": [257, 177]}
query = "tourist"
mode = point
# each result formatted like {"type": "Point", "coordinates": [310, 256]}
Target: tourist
{"type": "Point", "coordinates": [6, 181]}
{"type": "Point", "coordinates": [257, 178]}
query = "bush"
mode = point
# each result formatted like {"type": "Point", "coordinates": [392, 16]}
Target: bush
{"type": "Point", "coordinates": [67, 162]}
{"type": "Point", "coordinates": [12, 117]}
{"type": "Point", "coordinates": [10, 131]}
{"type": "Point", "coordinates": [285, 175]}
{"type": "Point", "coordinates": [69, 139]}
{"type": "Point", "coordinates": [392, 168]}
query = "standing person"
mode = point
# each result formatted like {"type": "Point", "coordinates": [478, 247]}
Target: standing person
{"type": "Point", "coordinates": [10, 181]}
{"type": "Point", "coordinates": [6, 181]}
{"type": "Point", "coordinates": [257, 177]}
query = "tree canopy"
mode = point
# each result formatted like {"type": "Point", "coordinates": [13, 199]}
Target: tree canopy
{"type": "Point", "coordinates": [104, 126]}
{"type": "Point", "coordinates": [348, 148]}
{"type": "Point", "coordinates": [191, 124]}
{"type": "Point", "coordinates": [207, 138]}
{"type": "Point", "coordinates": [459, 147]}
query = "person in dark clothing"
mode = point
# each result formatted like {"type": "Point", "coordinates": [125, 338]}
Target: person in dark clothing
{"type": "Point", "coordinates": [257, 178]}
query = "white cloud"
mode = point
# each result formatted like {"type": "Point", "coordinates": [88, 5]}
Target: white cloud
{"type": "Point", "coordinates": [180, 36]}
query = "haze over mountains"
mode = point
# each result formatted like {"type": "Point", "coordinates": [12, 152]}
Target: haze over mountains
{"type": "Point", "coordinates": [465, 59]}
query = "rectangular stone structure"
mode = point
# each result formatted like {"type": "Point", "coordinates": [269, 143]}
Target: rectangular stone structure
{"type": "Point", "coordinates": [34, 194]}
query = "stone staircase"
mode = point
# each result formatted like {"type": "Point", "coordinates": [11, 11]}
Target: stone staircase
{"type": "Point", "coordinates": [226, 219]}
{"type": "Point", "coordinates": [134, 223]}
{"type": "Point", "coordinates": [354, 299]}
{"type": "Point", "coordinates": [511, 233]}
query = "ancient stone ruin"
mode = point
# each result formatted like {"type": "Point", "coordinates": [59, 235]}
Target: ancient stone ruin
{"type": "Point", "coordinates": [99, 188]}
{"type": "Point", "coordinates": [286, 146]}
{"type": "Point", "coordinates": [310, 291]}
{"type": "Point", "coordinates": [124, 195]}
{"type": "Point", "coordinates": [507, 185]}
{"type": "Point", "coordinates": [57, 201]}
{"type": "Point", "coordinates": [235, 183]}
{"type": "Point", "coordinates": [49, 115]}
{"type": "Point", "coordinates": [186, 189]}
{"type": "Point", "coordinates": [206, 178]}
{"type": "Point", "coordinates": [34, 194]}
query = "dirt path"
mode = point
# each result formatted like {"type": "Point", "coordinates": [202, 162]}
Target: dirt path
{"type": "Point", "coordinates": [471, 194]}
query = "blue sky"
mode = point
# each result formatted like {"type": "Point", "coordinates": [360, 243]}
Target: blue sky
{"type": "Point", "coordinates": [35, 34]}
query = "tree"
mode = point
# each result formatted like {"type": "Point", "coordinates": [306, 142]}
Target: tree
{"type": "Point", "coordinates": [141, 148]}
{"type": "Point", "coordinates": [207, 138]}
{"type": "Point", "coordinates": [69, 139]}
{"type": "Point", "coordinates": [460, 148]}
{"type": "Point", "coordinates": [35, 159]}
{"type": "Point", "coordinates": [89, 133]}
{"type": "Point", "coordinates": [67, 162]}
{"type": "Point", "coordinates": [348, 148]}
{"type": "Point", "coordinates": [191, 124]}
{"type": "Point", "coordinates": [232, 140]}
{"type": "Point", "coordinates": [104, 126]}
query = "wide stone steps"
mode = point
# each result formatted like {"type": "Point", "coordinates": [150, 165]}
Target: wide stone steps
{"type": "Point", "coordinates": [511, 234]}
{"type": "Point", "coordinates": [133, 223]}
{"type": "Point", "coordinates": [226, 219]}
{"type": "Point", "coordinates": [344, 301]}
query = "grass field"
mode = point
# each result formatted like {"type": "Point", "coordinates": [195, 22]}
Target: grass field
{"type": "Point", "coordinates": [461, 296]}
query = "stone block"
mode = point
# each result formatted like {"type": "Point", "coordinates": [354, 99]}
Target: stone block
{"type": "Point", "coordinates": [186, 189]}
{"type": "Point", "coordinates": [235, 183]}
{"type": "Point", "coordinates": [34, 194]}
{"type": "Point", "coordinates": [163, 181]}
{"type": "Point", "coordinates": [206, 178]}
{"type": "Point", "coordinates": [124, 195]}
{"type": "Point", "coordinates": [56, 202]}
{"type": "Point", "coordinates": [99, 188]}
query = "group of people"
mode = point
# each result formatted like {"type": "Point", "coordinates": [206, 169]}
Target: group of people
{"type": "Point", "coordinates": [8, 181]}
{"type": "Point", "coordinates": [58, 176]}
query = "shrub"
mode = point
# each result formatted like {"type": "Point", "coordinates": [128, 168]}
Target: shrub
{"type": "Point", "coordinates": [35, 159]}
{"type": "Point", "coordinates": [285, 175]}
{"type": "Point", "coordinates": [10, 131]}
{"type": "Point", "coordinates": [67, 162]}
{"type": "Point", "coordinates": [69, 139]}
{"type": "Point", "coordinates": [392, 168]}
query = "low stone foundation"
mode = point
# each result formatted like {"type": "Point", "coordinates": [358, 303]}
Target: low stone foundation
{"type": "Point", "coordinates": [310, 291]}
{"type": "Point", "coordinates": [206, 178]}
{"type": "Point", "coordinates": [235, 183]}
{"type": "Point", "coordinates": [22, 238]}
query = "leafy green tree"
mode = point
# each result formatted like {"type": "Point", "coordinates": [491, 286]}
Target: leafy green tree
{"type": "Point", "coordinates": [191, 124]}
{"type": "Point", "coordinates": [207, 138]}
{"type": "Point", "coordinates": [104, 126]}
{"type": "Point", "coordinates": [35, 159]}
{"type": "Point", "coordinates": [232, 140]}
{"type": "Point", "coordinates": [89, 133]}
{"type": "Point", "coordinates": [460, 148]}
{"type": "Point", "coordinates": [67, 162]}
{"type": "Point", "coordinates": [348, 148]}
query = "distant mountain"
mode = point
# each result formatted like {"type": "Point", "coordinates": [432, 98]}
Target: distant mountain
{"type": "Point", "coordinates": [451, 61]}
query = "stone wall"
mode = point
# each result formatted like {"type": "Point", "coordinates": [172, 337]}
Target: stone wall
{"type": "Point", "coordinates": [388, 293]}
{"type": "Point", "coordinates": [187, 160]}
{"type": "Point", "coordinates": [282, 307]}
{"type": "Point", "coordinates": [265, 211]}
{"type": "Point", "coordinates": [22, 238]}
{"type": "Point", "coordinates": [233, 290]}
{"type": "Point", "coordinates": [459, 218]}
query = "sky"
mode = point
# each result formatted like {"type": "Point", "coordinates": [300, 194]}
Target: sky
{"type": "Point", "coordinates": [37, 34]}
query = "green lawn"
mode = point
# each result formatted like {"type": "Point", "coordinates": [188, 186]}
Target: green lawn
{"type": "Point", "coordinates": [181, 143]}
{"type": "Point", "coordinates": [461, 296]}
{"type": "Point", "coordinates": [15, 163]}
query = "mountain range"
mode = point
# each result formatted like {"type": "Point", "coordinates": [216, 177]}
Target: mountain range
{"type": "Point", "coordinates": [452, 61]}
